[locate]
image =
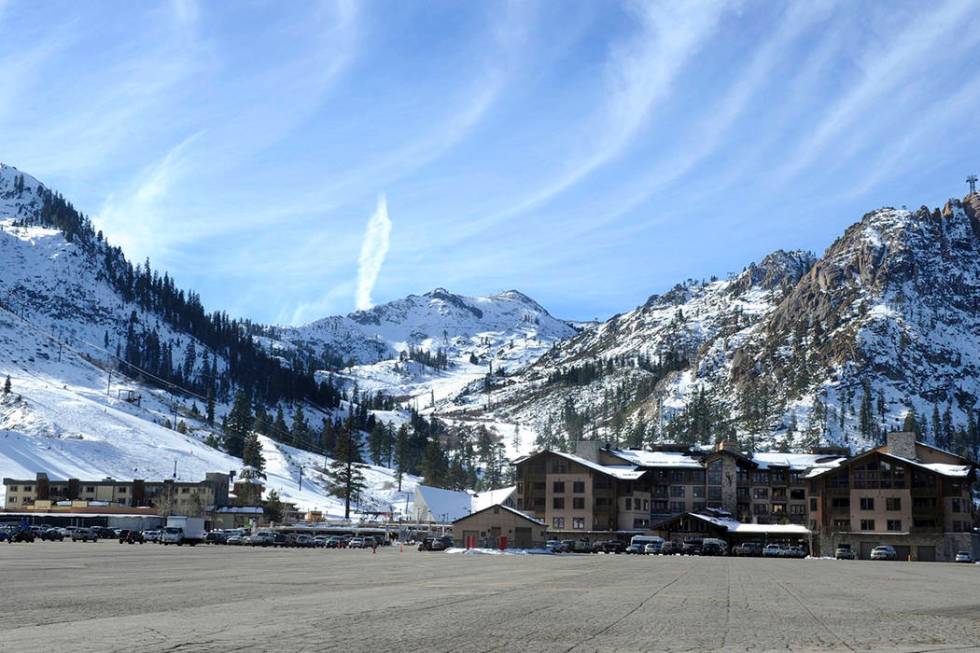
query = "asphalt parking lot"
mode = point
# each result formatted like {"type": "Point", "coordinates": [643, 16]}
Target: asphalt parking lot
{"type": "Point", "coordinates": [110, 597]}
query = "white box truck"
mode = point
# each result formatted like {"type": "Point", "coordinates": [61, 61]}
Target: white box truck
{"type": "Point", "coordinates": [183, 530]}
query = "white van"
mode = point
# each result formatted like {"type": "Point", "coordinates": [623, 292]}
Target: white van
{"type": "Point", "coordinates": [639, 544]}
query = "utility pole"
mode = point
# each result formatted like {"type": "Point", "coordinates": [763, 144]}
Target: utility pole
{"type": "Point", "coordinates": [972, 180]}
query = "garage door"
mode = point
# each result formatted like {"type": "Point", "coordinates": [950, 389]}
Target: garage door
{"type": "Point", "coordinates": [522, 538]}
{"type": "Point", "coordinates": [902, 552]}
{"type": "Point", "coordinates": [926, 553]}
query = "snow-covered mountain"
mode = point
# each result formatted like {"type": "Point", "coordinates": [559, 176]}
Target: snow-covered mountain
{"type": "Point", "coordinates": [793, 351]}
{"type": "Point", "coordinates": [431, 345]}
{"type": "Point", "coordinates": [67, 328]}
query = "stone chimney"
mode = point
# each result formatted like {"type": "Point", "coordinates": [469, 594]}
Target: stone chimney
{"type": "Point", "coordinates": [902, 445]}
{"type": "Point", "coordinates": [588, 449]}
{"type": "Point", "coordinates": [728, 445]}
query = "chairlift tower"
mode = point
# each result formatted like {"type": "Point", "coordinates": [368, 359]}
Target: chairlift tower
{"type": "Point", "coordinates": [972, 180]}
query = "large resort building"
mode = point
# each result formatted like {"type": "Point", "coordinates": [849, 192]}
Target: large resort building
{"type": "Point", "coordinates": [908, 494]}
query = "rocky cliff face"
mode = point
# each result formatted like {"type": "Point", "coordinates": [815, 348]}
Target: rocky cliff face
{"type": "Point", "coordinates": [793, 351]}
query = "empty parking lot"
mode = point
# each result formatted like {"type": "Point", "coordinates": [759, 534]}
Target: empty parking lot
{"type": "Point", "coordinates": [107, 597]}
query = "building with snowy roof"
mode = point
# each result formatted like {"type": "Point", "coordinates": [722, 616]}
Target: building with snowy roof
{"type": "Point", "coordinates": [441, 506]}
{"type": "Point", "coordinates": [600, 491]}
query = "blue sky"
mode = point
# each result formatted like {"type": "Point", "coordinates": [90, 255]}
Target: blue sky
{"type": "Point", "coordinates": [294, 160]}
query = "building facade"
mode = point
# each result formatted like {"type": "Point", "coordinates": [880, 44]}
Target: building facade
{"type": "Point", "coordinates": [600, 491]}
{"type": "Point", "coordinates": [910, 495]}
{"type": "Point", "coordinates": [42, 494]}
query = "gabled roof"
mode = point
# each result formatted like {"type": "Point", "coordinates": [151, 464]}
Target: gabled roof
{"type": "Point", "coordinates": [514, 511]}
{"type": "Point", "coordinates": [489, 498]}
{"type": "Point", "coordinates": [444, 504]}
{"type": "Point", "coordinates": [943, 469]}
{"type": "Point", "coordinates": [621, 472]}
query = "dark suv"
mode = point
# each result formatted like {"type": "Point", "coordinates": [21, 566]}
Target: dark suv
{"type": "Point", "coordinates": [436, 543]}
{"type": "Point", "coordinates": [613, 546]}
{"type": "Point", "coordinates": [131, 537]}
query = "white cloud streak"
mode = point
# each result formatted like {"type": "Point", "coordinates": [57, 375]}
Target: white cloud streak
{"type": "Point", "coordinates": [374, 248]}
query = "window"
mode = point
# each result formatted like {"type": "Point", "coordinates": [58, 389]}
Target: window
{"type": "Point", "coordinates": [13, 488]}
{"type": "Point", "coordinates": [539, 485]}
{"type": "Point", "coordinates": [813, 504]}
{"type": "Point", "coordinates": [677, 490]}
{"type": "Point", "coordinates": [923, 503]}
{"type": "Point", "coordinates": [760, 493]}
{"type": "Point", "coordinates": [660, 490]}
{"type": "Point", "coordinates": [677, 506]}
{"type": "Point", "coordinates": [578, 487]}
{"type": "Point", "coordinates": [714, 493]}
{"type": "Point", "coordinates": [641, 523]}
{"type": "Point", "coordinates": [893, 503]}
{"type": "Point", "coordinates": [894, 524]}
{"type": "Point", "coordinates": [122, 490]}
{"type": "Point", "coordinates": [539, 503]}
{"type": "Point", "coordinates": [558, 467]}
{"type": "Point", "coordinates": [185, 490]}
{"type": "Point", "coordinates": [867, 503]}
{"type": "Point", "coordinates": [797, 509]}
{"type": "Point", "coordinates": [677, 476]}
{"type": "Point", "coordinates": [779, 493]}
{"type": "Point", "coordinates": [520, 487]}
{"type": "Point", "coordinates": [797, 494]}
{"type": "Point", "coordinates": [578, 503]}
{"type": "Point", "coordinates": [841, 525]}
{"type": "Point", "coordinates": [867, 524]}
{"type": "Point", "coordinates": [778, 508]}
{"type": "Point", "coordinates": [741, 493]}
{"type": "Point", "coordinates": [714, 473]}
{"type": "Point", "coordinates": [629, 503]}
{"type": "Point", "coordinates": [558, 522]}
{"type": "Point", "coordinates": [697, 491]}
{"type": "Point", "coordinates": [659, 506]}
{"type": "Point", "coordinates": [760, 478]}
{"type": "Point", "coordinates": [602, 501]}
{"type": "Point", "coordinates": [956, 504]}
{"type": "Point", "coordinates": [924, 523]}
{"type": "Point", "coordinates": [760, 509]}
{"type": "Point", "coordinates": [28, 488]}
{"type": "Point", "coordinates": [578, 523]}
{"type": "Point", "coordinates": [558, 503]}
{"type": "Point", "coordinates": [558, 487]}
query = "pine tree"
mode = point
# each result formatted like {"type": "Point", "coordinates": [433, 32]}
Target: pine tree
{"type": "Point", "coordinates": [252, 452]}
{"type": "Point", "coordinates": [345, 477]}
{"type": "Point", "coordinates": [401, 453]}
{"type": "Point", "coordinates": [210, 408]}
{"type": "Point", "coordinates": [937, 425]}
{"type": "Point", "coordinates": [911, 424]}
{"type": "Point", "coordinates": [434, 466]}
{"type": "Point", "coordinates": [300, 432]}
{"type": "Point", "coordinates": [238, 424]}
{"type": "Point", "coordinates": [6, 385]}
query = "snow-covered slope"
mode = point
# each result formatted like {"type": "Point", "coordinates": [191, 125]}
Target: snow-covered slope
{"type": "Point", "coordinates": [62, 324]}
{"type": "Point", "coordinates": [506, 331]}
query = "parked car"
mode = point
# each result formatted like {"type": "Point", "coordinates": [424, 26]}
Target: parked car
{"type": "Point", "coordinates": [151, 535]}
{"type": "Point", "coordinates": [356, 543]}
{"type": "Point", "coordinates": [5, 534]}
{"type": "Point", "coordinates": [555, 546]}
{"type": "Point", "coordinates": [714, 547]}
{"type": "Point", "coordinates": [795, 551]}
{"type": "Point", "coordinates": [22, 535]}
{"type": "Point", "coordinates": [216, 537]}
{"type": "Point", "coordinates": [653, 548]}
{"type": "Point", "coordinates": [773, 551]}
{"type": "Point", "coordinates": [104, 533]}
{"type": "Point", "coordinates": [844, 552]}
{"type": "Point", "coordinates": [320, 542]}
{"type": "Point", "coordinates": [304, 541]}
{"type": "Point", "coordinates": [262, 538]}
{"type": "Point", "coordinates": [884, 552]}
{"type": "Point", "coordinates": [440, 543]}
{"type": "Point", "coordinates": [748, 549]}
{"type": "Point", "coordinates": [691, 548]}
{"type": "Point", "coordinates": [614, 546]}
{"type": "Point", "coordinates": [964, 556]}
{"type": "Point", "coordinates": [671, 548]}
{"type": "Point", "coordinates": [337, 542]}
{"type": "Point", "coordinates": [84, 535]}
{"type": "Point", "coordinates": [131, 537]}
{"type": "Point", "coordinates": [235, 540]}
{"type": "Point", "coordinates": [52, 535]}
